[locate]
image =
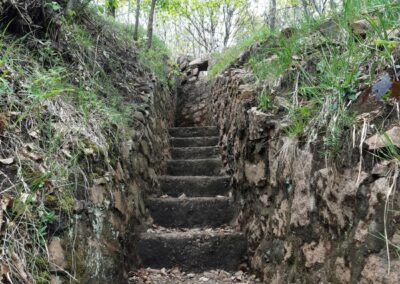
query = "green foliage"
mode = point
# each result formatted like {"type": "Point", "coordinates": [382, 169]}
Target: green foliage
{"type": "Point", "coordinates": [264, 101]}
{"type": "Point", "coordinates": [54, 6]}
{"type": "Point", "coordinates": [80, 36]}
{"type": "Point", "coordinates": [156, 59]}
{"type": "Point", "coordinates": [299, 118]}
{"type": "Point", "coordinates": [188, 7]}
{"type": "Point", "coordinates": [45, 85]}
{"type": "Point", "coordinates": [330, 82]}
{"type": "Point", "coordinates": [230, 54]}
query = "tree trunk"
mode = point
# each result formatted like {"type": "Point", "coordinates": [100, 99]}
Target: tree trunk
{"type": "Point", "coordinates": [228, 14]}
{"type": "Point", "coordinates": [137, 17]}
{"type": "Point", "coordinates": [150, 24]}
{"type": "Point", "coordinates": [305, 8]}
{"type": "Point", "coordinates": [332, 5]}
{"type": "Point", "coordinates": [272, 15]}
{"type": "Point", "coordinates": [111, 7]}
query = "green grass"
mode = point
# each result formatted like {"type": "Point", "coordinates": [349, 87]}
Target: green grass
{"type": "Point", "coordinates": [264, 101]}
{"type": "Point", "coordinates": [156, 59]}
{"type": "Point", "coordinates": [321, 94]}
{"type": "Point", "coordinates": [32, 80]}
{"type": "Point", "coordinates": [230, 54]}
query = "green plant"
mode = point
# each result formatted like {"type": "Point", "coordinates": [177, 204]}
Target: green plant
{"type": "Point", "coordinates": [81, 36]}
{"type": "Point", "coordinates": [299, 119]}
{"type": "Point", "coordinates": [230, 54]}
{"type": "Point", "coordinates": [264, 102]}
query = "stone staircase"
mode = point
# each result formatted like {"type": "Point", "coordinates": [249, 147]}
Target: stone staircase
{"type": "Point", "coordinates": [195, 216]}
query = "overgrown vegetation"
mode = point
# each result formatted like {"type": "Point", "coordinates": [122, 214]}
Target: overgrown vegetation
{"type": "Point", "coordinates": [59, 98]}
{"type": "Point", "coordinates": [326, 63]}
{"type": "Point", "coordinates": [230, 54]}
{"type": "Point", "coordinates": [334, 74]}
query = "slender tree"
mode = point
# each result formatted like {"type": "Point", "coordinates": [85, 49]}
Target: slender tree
{"type": "Point", "coordinates": [112, 7]}
{"type": "Point", "coordinates": [305, 8]}
{"type": "Point", "coordinates": [272, 15]}
{"type": "Point", "coordinates": [137, 17]}
{"type": "Point", "coordinates": [150, 24]}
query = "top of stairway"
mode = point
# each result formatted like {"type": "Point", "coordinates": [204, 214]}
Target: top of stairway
{"type": "Point", "coordinates": [202, 131]}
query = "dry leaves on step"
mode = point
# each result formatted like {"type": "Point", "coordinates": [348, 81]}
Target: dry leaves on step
{"type": "Point", "coordinates": [7, 161]}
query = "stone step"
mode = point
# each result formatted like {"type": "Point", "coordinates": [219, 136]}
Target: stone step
{"type": "Point", "coordinates": [191, 212]}
{"type": "Point", "coordinates": [200, 167]}
{"type": "Point", "coordinates": [194, 153]}
{"type": "Point", "coordinates": [193, 131]}
{"type": "Point", "coordinates": [194, 141]}
{"type": "Point", "coordinates": [194, 186]}
{"type": "Point", "coordinates": [196, 252]}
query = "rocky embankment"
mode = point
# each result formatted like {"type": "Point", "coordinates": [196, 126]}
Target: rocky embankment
{"type": "Point", "coordinates": [308, 219]}
{"type": "Point", "coordinates": [74, 179]}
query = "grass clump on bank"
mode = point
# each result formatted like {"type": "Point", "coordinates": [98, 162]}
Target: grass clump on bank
{"type": "Point", "coordinates": [66, 98]}
{"type": "Point", "coordinates": [230, 54]}
{"type": "Point", "coordinates": [322, 66]}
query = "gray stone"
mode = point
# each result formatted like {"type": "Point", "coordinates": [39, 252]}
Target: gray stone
{"type": "Point", "coordinates": [191, 212]}
{"type": "Point", "coordinates": [392, 136]}
{"type": "Point", "coordinates": [194, 141]}
{"type": "Point", "coordinates": [193, 131]}
{"type": "Point", "coordinates": [192, 251]}
{"type": "Point", "coordinates": [194, 153]}
{"type": "Point", "coordinates": [200, 167]}
{"type": "Point", "coordinates": [194, 185]}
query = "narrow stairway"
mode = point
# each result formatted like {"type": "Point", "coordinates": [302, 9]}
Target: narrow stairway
{"type": "Point", "coordinates": [195, 210]}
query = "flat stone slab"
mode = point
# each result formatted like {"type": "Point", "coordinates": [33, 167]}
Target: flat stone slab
{"type": "Point", "coordinates": [193, 131]}
{"type": "Point", "coordinates": [191, 212]}
{"type": "Point", "coordinates": [194, 141]}
{"type": "Point", "coordinates": [194, 153]}
{"type": "Point", "coordinates": [194, 186]}
{"type": "Point", "coordinates": [200, 167]}
{"type": "Point", "coordinates": [192, 251]}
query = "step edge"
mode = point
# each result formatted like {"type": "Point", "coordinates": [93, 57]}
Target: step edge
{"type": "Point", "coordinates": [195, 147]}
{"type": "Point", "coordinates": [194, 127]}
{"type": "Point", "coordinates": [188, 235]}
{"type": "Point", "coordinates": [195, 160]}
{"type": "Point", "coordinates": [194, 177]}
{"type": "Point", "coordinates": [190, 199]}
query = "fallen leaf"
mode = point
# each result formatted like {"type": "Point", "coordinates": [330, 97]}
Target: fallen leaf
{"type": "Point", "coordinates": [34, 134]}
{"type": "Point", "coordinates": [4, 269]}
{"type": "Point", "coordinates": [100, 181]}
{"type": "Point", "coordinates": [395, 93]}
{"type": "Point", "coordinates": [7, 161]}
{"type": "Point", "coordinates": [27, 279]}
{"type": "Point", "coordinates": [3, 122]}
{"type": "Point", "coordinates": [66, 152]}
{"type": "Point", "coordinates": [88, 151]}
{"type": "Point", "coordinates": [6, 201]}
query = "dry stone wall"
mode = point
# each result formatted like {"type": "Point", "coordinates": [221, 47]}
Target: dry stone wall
{"type": "Point", "coordinates": [193, 105]}
{"type": "Point", "coordinates": [307, 221]}
{"type": "Point", "coordinates": [97, 244]}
